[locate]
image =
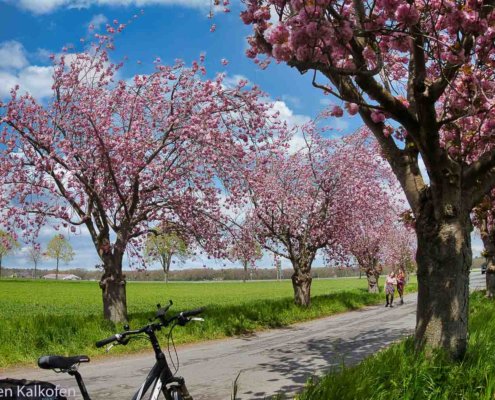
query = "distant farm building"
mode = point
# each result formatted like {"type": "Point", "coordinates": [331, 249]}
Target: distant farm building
{"type": "Point", "coordinates": [63, 277]}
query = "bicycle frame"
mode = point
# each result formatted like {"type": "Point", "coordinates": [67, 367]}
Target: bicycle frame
{"type": "Point", "coordinates": [158, 378]}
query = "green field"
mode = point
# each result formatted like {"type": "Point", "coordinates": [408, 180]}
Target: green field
{"type": "Point", "coordinates": [48, 317]}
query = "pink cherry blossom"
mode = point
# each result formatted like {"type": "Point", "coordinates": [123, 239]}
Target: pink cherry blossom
{"type": "Point", "coordinates": [352, 108]}
{"type": "Point", "coordinates": [122, 157]}
{"type": "Point", "coordinates": [317, 199]}
{"type": "Point", "coordinates": [438, 56]}
{"type": "Point", "coordinates": [407, 14]}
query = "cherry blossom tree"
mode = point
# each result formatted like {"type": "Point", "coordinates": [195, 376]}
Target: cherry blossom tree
{"type": "Point", "coordinates": [402, 247]}
{"type": "Point", "coordinates": [304, 202]}
{"type": "Point", "coordinates": [484, 219]}
{"type": "Point", "coordinates": [367, 245]}
{"type": "Point", "coordinates": [244, 248]}
{"type": "Point", "coordinates": [380, 239]}
{"type": "Point", "coordinates": [118, 157]}
{"type": "Point", "coordinates": [421, 76]}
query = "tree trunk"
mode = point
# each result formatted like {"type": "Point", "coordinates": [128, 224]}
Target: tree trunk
{"type": "Point", "coordinates": [113, 286]}
{"type": "Point", "coordinates": [0, 267]}
{"type": "Point", "coordinates": [489, 244]}
{"type": "Point", "coordinates": [373, 274]}
{"type": "Point", "coordinates": [301, 278]}
{"type": "Point", "coordinates": [167, 267]}
{"type": "Point", "coordinates": [301, 282]}
{"type": "Point", "coordinates": [245, 265]}
{"type": "Point", "coordinates": [35, 265]}
{"type": "Point", "coordinates": [56, 272]}
{"type": "Point", "coordinates": [444, 259]}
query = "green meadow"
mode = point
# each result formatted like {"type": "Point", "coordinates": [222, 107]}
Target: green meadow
{"type": "Point", "coordinates": [63, 317]}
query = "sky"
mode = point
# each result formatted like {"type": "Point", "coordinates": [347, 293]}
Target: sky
{"type": "Point", "coordinates": [31, 30]}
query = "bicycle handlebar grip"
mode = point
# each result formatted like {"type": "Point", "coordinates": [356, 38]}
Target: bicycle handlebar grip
{"type": "Point", "coordinates": [192, 313]}
{"type": "Point", "coordinates": [106, 341]}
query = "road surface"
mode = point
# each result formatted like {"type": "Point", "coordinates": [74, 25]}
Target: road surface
{"type": "Point", "coordinates": [271, 362]}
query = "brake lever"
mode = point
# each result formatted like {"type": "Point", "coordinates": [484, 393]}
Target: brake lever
{"type": "Point", "coordinates": [123, 342]}
{"type": "Point", "coordinates": [109, 348]}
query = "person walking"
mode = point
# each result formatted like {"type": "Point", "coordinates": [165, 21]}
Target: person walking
{"type": "Point", "coordinates": [390, 285]}
{"type": "Point", "coordinates": [401, 281]}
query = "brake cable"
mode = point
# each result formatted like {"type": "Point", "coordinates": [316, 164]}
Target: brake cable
{"type": "Point", "coordinates": [170, 338]}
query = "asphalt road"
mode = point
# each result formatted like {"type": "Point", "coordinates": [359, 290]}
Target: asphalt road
{"type": "Point", "coordinates": [271, 362]}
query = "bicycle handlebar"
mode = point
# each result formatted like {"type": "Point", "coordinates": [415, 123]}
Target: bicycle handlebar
{"type": "Point", "coordinates": [106, 341]}
{"type": "Point", "coordinates": [192, 313]}
{"type": "Point", "coordinates": [182, 318]}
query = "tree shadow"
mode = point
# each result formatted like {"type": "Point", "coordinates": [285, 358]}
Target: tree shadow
{"type": "Point", "coordinates": [298, 362]}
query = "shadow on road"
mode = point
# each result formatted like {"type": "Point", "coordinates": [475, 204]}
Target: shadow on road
{"type": "Point", "coordinates": [299, 362]}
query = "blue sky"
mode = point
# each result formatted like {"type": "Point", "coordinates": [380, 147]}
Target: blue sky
{"type": "Point", "coordinates": [30, 30]}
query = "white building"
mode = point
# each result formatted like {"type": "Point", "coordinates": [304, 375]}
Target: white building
{"type": "Point", "coordinates": [63, 277]}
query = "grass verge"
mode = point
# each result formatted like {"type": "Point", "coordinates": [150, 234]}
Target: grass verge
{"type": "Point", "coordinates": [400, 373]}
{"type": "Point", "coordinates": [64, 318]}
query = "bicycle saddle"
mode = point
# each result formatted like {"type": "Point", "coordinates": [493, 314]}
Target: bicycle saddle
{"type": "Point", "coordinates": [60, 362]}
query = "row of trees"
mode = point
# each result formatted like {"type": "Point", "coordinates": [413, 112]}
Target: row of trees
{"type": "Point", "coordinates": [337, 197]}
{"type": "Point", "coordinates": [123, 158]}
{"type": "Point", "coordinates": [139, 164]}
{"type": "Point", "coordinates": [421, 77]}
{"type": "Point", "coordinates": [58, 248]}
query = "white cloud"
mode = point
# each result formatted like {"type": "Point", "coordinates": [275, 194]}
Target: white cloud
{"type": "Point", "coordinates": [15, 70]}
{"type": "Point", "coordinates": [39, 6]}
{"type": "Point", "coordinates": [7, 82]}
{"type": "Point", "coordinates": [37, 80]}
{"type": "Point", "coordinates": [12, 55]}
{"type": "Point", "coordinates": [295, 101]}
{"type": "Point", "coordinates": [48, 6]}
{"type": "Point", "coordinates": [32, 79]}
{"type": "Point", "coordinates": [293, 120]}
{"type": "Point", "coordinates": [43, 54]}
{"type": "Point", "coordinates": [288, 115]}
{"type": "Point", "coordinates": [97, 21]}
{"type": "Point", "coordinates": [476, 245]}
{"type": "Point", "coordinates": [233, 81]}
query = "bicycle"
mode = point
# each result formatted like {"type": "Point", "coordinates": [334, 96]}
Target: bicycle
{"type": "Point", "coordinates": [160, 379]}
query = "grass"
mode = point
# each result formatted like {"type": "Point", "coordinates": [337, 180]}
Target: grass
{"type": "Point", "coordinates": [400, 373]}
{"type": "Point", "coordinates": [62, 317]}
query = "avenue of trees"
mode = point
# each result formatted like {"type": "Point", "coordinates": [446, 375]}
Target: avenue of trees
{"type": "Point", "coordinates": [421, 77]}
{"type": "Point", "coordinates": [245, 249]}
{"type": "Point", "coordinates": [325, 197]}
{"type": "Point", "coordinates": [119, 158]}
